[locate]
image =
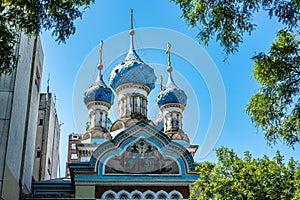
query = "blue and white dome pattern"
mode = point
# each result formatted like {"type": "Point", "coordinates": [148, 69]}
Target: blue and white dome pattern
{"type": "Point", "coordinates": [99, 91]}
{"type": "Point", "coordinates": [172, 94]}
{"type": "Point", "coordinates": [132, 70]}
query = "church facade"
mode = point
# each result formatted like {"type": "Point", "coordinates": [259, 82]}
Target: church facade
{"type": "Point", "coordinates": [132, 157]}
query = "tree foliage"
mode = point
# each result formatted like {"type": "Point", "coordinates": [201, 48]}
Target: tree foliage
{"type": "Point", "coordinates": [31, 17]}
{"type": "Point", "coordinates": [275, 107]}
{"type": "Point", "coordinates": [229, 20]}
{"type": "Point", "coordinates": [234, 177]}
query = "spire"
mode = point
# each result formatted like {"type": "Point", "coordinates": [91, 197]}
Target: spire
{"type": "Point", "coordinates": [131, 31]}
{"type": "Point", "coordinates": [100, 66]}
{"type": "Point", "coordinates": [131, 55]}
{"type": "Point", "coordinates": [170, 82]}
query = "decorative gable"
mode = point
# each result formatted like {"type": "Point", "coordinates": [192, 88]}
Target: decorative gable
{"type": "Point", "coordinates": [142, 149]}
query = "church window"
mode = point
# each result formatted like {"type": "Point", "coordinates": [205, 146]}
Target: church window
{"type": "Point", "coordinates": [149, 196]}
{"type": "Point", "coordinates": [136, 196]}
{"type": "Point", "coordinates": [162, 196]}
{"type": "Point", "coordinates": [175, 196]}
{"type": "Point", "coordinates": [123, 196]}
{"type": "Point", "coordinates": [109, 196]}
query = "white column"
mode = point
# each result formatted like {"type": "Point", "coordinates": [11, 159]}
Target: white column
{"type": "Point", "coordinates": [180, 121]}
{"type": "Point", "coordinates": [103, 119]}
{"type": "Point", "coordinates": [131, 105]}
{"type": "Point", "coordinates": [127, 105]}
{"type": "Point", "coordinates": [121, 107]}
{"type": "Point", "coordinates": [146, 108]}
{"type": "Point", "coordinates": [138, 102]}
{"type": "Point", "coordinates": [93, 121]}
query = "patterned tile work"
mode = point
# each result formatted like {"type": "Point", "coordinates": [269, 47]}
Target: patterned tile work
{"type": "Point", "coordinates": [99, 91]}
{"type": "Point", "coordinates": [171, 95]}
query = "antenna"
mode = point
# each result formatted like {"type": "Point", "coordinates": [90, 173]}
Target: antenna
{"type": "Point", "coordinates": [48, 83]}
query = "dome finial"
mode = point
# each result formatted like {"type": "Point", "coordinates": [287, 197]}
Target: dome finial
{"type": "Point", "coordinates": [170, 82]}
{"type": "Point", "coordinates": [100, 66]}
{"type": "Point", "coordinates": [131, 31]}
{"type": "Point", "coordinates": [169, 69]}
{"type": "Point", "coordinates": [131, 55]}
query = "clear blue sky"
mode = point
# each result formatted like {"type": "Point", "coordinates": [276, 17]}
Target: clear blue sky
{"type": "Point", "coordinates": [105, 19]}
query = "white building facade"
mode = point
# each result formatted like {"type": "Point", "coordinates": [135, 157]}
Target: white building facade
{"type": "Point", "coordinates": [19, 97]}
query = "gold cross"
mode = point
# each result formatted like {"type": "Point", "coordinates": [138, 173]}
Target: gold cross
{"type": "Point", "coordinates": [169, 53]}
{"type": "Point", "coordinates": [100, 51]}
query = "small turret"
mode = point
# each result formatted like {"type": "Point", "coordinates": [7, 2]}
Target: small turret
{"type": "Point", "coordinates": [98, 99]}
{"type": "Point", "coordinates": [172, 101]}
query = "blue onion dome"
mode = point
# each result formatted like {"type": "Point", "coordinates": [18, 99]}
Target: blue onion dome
{"type": "Point", "coordinates": [132, 70]}
{"type": "Point", "coordinates": [171, 94]}
{"type": "Point", "coordinates": [99, 91]}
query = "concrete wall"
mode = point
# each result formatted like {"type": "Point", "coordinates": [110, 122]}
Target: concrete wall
{"type": "Point", "coordinates": [47, 140]}
{"type": "Point", "coordinates": [18, 127]}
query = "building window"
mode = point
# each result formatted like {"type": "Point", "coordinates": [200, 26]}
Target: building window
{"type": "Point", "coordinates": [73, 146]}
{"type": "Point", "coordinates": [74, 137]}
{"type": "Point", "coordinates": [74, 156]}
{"type": "Point", "coordinates": [37, 79]}
{"type": "Point", "coordinates": [41, 122]}
{"type": "Point", "coordinates": [38, 154]}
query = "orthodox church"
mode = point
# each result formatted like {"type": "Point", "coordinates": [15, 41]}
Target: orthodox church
{"type": "Point", "coordinates": [132, 157]}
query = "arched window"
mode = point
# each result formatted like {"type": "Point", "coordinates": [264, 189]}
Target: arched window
{"type": "Point", "coordinates": [149, 196]}
{"type": "Point", "coordinates": [161, 196]}
{"type": "Point", "coordinates": [110, 196]}
{"type": "Point", "coordinates": [175, 196]}
{"type": "Point", "coordinates": [136, 196]}
{"type": "Point", "coordinates": [123, 196]}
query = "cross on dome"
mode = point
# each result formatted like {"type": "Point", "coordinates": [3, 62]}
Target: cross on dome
{"type": "Point", "coordinates": [172, 93]}
{"type": "Point", "coordinates": [132, 70]}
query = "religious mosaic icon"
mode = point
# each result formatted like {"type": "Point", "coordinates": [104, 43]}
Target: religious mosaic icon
{"type": "Point", "coordinates": [141, 157]}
